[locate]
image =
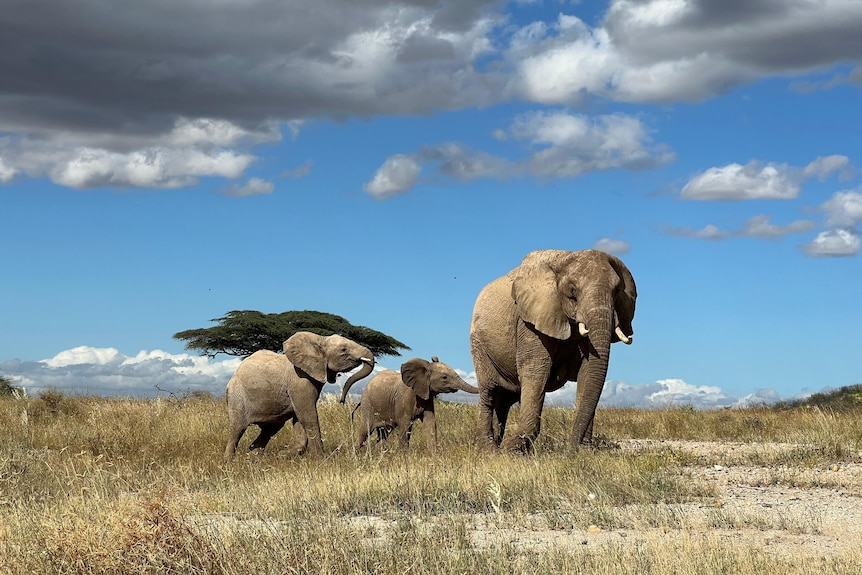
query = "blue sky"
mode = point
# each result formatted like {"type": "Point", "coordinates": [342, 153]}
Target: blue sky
{"type": "Point", "coordinates": [164, 163]}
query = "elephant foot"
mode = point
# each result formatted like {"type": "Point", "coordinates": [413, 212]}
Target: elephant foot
{"type": "Point", "coordinates": [487, 445]}
{"type": "Point", "coordinates": [519, 445]}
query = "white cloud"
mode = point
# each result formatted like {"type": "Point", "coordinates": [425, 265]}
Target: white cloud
{"type": "Point", "coordinates": [564, 146]}
{"type": "Point", "coordinates": [749, 182]}
{"type": "Point", "coordinates": [662, 393]}
{"type": "Point", "coordinates": [824, 166]}
{"type": "Point", "coordinates": [215, 132]}
{"type": "Point", "coordinates": [670, 50]}
{"type": "Point", "coordinates": [85, 355]}
{"type": "Point", "coordinates": [843, 209]}
{"type": "Point", "coordinates": [397, 175]}
{"type": "Point", "coordinates": [834, 243]}
{"type": "Point", "coordinates": [756, 227]}
{"type": "Point", "coordinates": [108, 372]}
{"type": "Point", "coordinates": [6, 172]}
{"type": "Point", "coordinates": [611, 246]}
{"type": "Point", "coordinates": [760, 227]}
{"type": "Point", "coordinates": [253, 187]}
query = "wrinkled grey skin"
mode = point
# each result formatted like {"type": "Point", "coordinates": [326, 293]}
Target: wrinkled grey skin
{"type": "Point", "coordinates": [525, 339]}
{"type": "Point", "coordinates": [269, 389]}
{"type": "Point", "coordinates": [393, 400]}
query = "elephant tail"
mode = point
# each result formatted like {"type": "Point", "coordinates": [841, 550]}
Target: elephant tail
{"type": "Point", "coordinates": [352, 413]}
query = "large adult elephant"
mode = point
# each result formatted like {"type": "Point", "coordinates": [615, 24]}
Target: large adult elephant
{"type": "Point", "coordinates": [550, 320]}
{"type": "Point", "coordinates": [269, 389]}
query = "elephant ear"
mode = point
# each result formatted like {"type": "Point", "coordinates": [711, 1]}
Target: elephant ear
{"type": "Point", "coordinates": [305, 350]}
{"type": "Point", "coordinates": [625, 295]}
{"type": "Point", "coordinates": [534, 289]}
{"type": "Point", "coordinates": [416, 374]}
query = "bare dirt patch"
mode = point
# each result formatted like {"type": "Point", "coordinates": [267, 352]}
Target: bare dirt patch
{"type": "Point", "coordinates": [784, 510]}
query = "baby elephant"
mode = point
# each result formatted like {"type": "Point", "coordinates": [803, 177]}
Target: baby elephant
{"type": "Point", "coordinates": [392, 400]}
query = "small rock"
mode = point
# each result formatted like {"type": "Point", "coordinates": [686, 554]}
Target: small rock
{"type": "Point", "coordinates": [594, 529]}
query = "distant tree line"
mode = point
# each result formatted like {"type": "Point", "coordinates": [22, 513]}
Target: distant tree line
{"type": "Point", "coordinates": [241, 333]}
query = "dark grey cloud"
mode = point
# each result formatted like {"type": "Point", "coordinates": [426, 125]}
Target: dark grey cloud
{"type": "Point", "coordinates": [87, 66]}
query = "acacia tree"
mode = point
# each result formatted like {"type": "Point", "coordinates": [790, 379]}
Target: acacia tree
{"type": "Point", "coordinates": [7, 386]}
{"type": "Point", "coordinates": [242, 333]}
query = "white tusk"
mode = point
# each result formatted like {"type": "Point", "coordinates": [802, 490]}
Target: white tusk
{"type": "Point", "coordinates": [623, 337]}
{"type": "Point", "coordinates": [582, 329]}
{"type": "Point", "coordinates": [366, 360]}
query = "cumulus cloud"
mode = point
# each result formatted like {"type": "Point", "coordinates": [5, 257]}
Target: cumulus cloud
{"type": "Point", "coordinates": [563, 145]}
{"type": "Point", "coordinates": [397, 175]}
{"type": "Point", "coordinates": [611, 246]}
{"type": "Point", "coordinates": [253, 187]}
{"type": "Point", "coordinates": [108, 372]}
{"type": "Point", "coordinates": [6, 172]}
{"type": "Point", "coordinates": [663, 393]}
{"type": "Point", "coordinates": [755, 227]}
{"type": "Point", "coordinates": [834, 243]}
{"type": "Point", "coordinates": [666, 51]}
{"type": "Point", "coordinates": [758, 181]}
{"type": "Point", "coordinates": [843, 213]}
{"type": "Point", "coordinates": [824, 166]}
{"type": "Point", "coordinates": [190, 150]}
{"type": "Point", "coordinates": [96, 97]}
{"type": "Point", "coordinates": [843, 209]}
{"type": "Point", "coordinates": [752, 181]}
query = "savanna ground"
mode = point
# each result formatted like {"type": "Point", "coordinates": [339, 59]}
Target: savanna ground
{"type": "Point", "coordinates": [91, 485]}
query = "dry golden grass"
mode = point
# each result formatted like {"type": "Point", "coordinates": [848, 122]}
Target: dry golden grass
{"type": "Point", "coordinates": [90, 485]}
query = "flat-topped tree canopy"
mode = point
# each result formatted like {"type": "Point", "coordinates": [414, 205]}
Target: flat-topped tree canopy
{"type": "Point", "coordinates": [242, 333]}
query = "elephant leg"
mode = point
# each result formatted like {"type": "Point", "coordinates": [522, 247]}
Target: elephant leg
{"type": "Point", "coordinates": [588, 434]}
{"type": "Point", "coordinates": [300, 438]}
{"type": "Point", "coordinates": [267, 430]}
{"type": "Point", "coordinates": [534, 370]}
{"type": "Point", "coordinates": [503, 402]}
{"type": "Point", "coordinates": [429, 425]}
{"type": "Point", "coordinates": [305, 405]}
{"type": "Point", "coordinates": [363, 432]}
{"type": "Point", "coordinates": [236, 433]}
{"type": "Point", "coordinates": [405, 430]}
{"type": "Point", "coordinates": [486, 381]}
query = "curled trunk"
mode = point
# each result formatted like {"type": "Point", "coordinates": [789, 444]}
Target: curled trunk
{"type": "Point", "coordinates": [367, 366]}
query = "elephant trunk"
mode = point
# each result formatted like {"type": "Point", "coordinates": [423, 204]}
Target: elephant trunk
{"type": "Point", "coordinates": [594, 369]}
{"type": "Point", "coordinates": [464, 386]}
{"type": "Point", "coordinates": [367, 366]}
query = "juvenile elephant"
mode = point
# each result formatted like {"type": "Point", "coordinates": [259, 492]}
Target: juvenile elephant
{"type": "Point", "coordinates": [550, 320]}
{"type": "Point", "coordinates": [392, 400]}
{"type": "Point", "coordinates": [268, 389]}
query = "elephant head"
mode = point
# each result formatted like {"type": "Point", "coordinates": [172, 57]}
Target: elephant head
{"type": "Point", "coordinates": [429, 378]}
{"type": "Point", "coordinates": [324, 357]}
{"type": "Point", "coordinates": [586, 295]}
